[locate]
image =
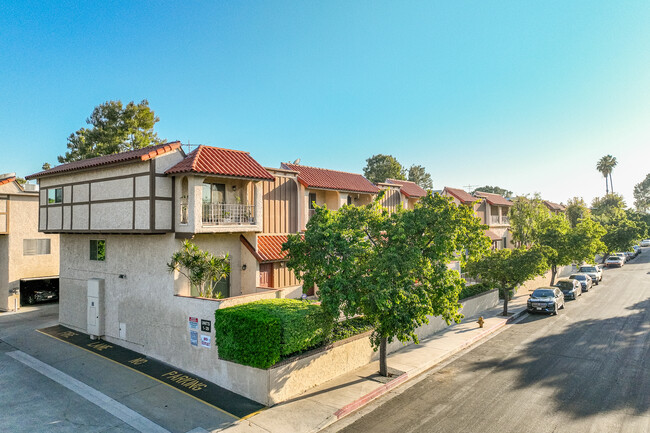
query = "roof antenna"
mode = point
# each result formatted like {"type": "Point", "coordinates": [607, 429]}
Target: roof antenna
{"type": "Point", "coordinates": [470, 187]}
{"type": "Point", "coordinates": [297, 161]}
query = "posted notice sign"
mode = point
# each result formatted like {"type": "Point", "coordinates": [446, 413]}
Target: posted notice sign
{"type": "Point", "coordinates": [194, 338]}
{"type": "Point", "coordinates": [205, 340]}
{"type": "Point", "coordinates": [194, 323]}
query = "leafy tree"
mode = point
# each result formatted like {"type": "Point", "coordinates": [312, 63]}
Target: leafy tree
{"type": "Point", "coordinates": [115, 128]}
{"type": "Point", "coordinates": [381, 167]}
{"type": "Point", "coordinates": [621, 234]}
{"type": "Point", "coordinates": [419, 175]}
{"type": "Point", "coordinates": [494, 190]}
{"type": "Point", "coordinates": [202, 269]}
{"type": "Point", "coordinates": [642, 195]}
{"type": "Point", "coordinates": [607, 208]}
{"type": "Point", "coordinates": [509, 268]}
{"type": "Point", "coordinates": [46, 166]}
{"type": "Point", "coordinates": [390, 268]}
{"type": "Point", "coordinates": [526, 215]}
{"type": "Point", "coordinates": [605, 166]}
{"type": "Point", "coordinates": [576, 210]}
{"type": "Point", "coordinates": [565, 245]}
{"type": "Point", "coordinates": [21, 180]}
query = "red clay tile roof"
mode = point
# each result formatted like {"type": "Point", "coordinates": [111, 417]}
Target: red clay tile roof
{"type": "Point", "coordinates": [554, 206]}
{"type": "Point", "coordinates": [493, 236]}
{"type": "Point", "coordinates": [221, 162]}
{"type": "Point", "coordinates": [461, 195]}
{"type": "Point", "coordinates": [494, 199]}
{"type": "Point", "coordinates": [313, 177]}
{"type": "Point", "coordinates": [269, 247]}
{"type": "Point", "coordinates": [7, 180]}
{"type": "Point", "coordinates": [408, 188]}
{"type": "Point", "coordinates": [133, 155]}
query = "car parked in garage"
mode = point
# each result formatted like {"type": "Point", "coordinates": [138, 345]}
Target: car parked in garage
{"type": "Point", "coordinates": [545, 300]}
{"type": "Point", "coordinates": [570, 288]}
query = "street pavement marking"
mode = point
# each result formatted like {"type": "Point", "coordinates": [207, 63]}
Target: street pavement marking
{"type": "Point", "coordinates": [111, 406]}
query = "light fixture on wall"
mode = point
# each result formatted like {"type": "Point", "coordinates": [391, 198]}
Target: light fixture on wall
{"type": "Point", "coordinates": [243, 267]}
{"type": "Point", "coordinates": [234, 187]}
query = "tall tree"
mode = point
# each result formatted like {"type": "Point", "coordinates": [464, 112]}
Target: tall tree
{"type": "Point", "coordinates": [642, 195]}
{"type": "Point", "coordinates": [115, 128]}
{"type": "Point", "coordinates": [576, 210]}
{"type": "Point", "coordinates": [419, 175]}
{"type": "Point", "coordinates": [494, 190]}
{"type": "Point", "coordinates": [605, 166]}
{"type": "Point", "coordinates": [391, 268]}
{"type": "Point", "coordinates": [381, 167]}
{"type": "Point", "coordinates": [46, 166]}
{"type": "Point", "coordinates": [509, 268]}
{"type": "Point", "coordinates": [526, 215]}
{"type": "Point", "coordinates": [608, 207]}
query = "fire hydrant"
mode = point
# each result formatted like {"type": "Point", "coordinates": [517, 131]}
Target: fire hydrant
{"type": "Point", "coordinates": [480, 321]}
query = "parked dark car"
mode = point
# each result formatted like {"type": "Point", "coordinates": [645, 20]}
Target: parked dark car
{"type": "Point", "coordinates": [585, 281]}
{"type": "Point", "coordinates": [630, 255]}
{"type": "Point", "coordinates": [38, 290]}
{"type": "Point", "coordinates": [545, 300]}
{"type": "Point", "coordinates": [571, 288]}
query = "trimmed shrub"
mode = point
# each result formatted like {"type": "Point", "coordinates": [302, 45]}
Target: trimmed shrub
{"type": "Point", "coordinates": [474, 289]}
{"type": "Point", "coordinates": [261, 333]}
{"type": "Point", "coordinates": [351, 327]}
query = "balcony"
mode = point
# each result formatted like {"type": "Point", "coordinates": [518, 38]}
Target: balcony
{"type": "Point", "coordinates": [221, 214]}
{"type": "Point", "coordinates": [496, 220]}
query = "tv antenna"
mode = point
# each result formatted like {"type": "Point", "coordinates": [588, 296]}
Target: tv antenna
{"type": "Point", "coordinates": [470, 188]}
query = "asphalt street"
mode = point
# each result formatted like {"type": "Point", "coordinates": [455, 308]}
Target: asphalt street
{"type": "Point", "coordinates": [584, 370]}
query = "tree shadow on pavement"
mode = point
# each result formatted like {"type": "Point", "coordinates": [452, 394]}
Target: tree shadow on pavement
{"type": "Point", "coordinates": [594, 366]}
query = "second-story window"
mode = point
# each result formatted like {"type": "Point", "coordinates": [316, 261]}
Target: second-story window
{"type": "Point", "coordinates": [349, 199]}
{"type": "Point", "coordinates": [312, 200]}
{"type": "Point", "coordinates": [54, 195]}
{"type": "Point", "coordinates": [98, 250]}
{"type": "Point", "coordinates": [214, 193]}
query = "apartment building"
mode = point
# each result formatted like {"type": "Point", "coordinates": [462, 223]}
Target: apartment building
{"type": "Point", "coordinates": [29, 260]}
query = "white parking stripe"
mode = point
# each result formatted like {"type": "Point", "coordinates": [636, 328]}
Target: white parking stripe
{"type": "Point", "coordinates": [111, 406]}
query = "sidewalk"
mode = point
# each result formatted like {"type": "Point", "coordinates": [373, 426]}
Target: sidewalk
{"type": "Point", "coordinates": [333, 400]}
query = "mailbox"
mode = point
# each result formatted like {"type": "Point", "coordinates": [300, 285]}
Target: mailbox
{"type": "Point", "coordinates": [95, 307]}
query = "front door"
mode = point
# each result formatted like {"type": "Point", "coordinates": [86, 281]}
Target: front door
{"type": "Point", "coordinates": [266, 275]}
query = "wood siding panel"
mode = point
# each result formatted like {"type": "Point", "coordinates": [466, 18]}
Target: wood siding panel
{"type": "Point", "coordinates": [280, 202]}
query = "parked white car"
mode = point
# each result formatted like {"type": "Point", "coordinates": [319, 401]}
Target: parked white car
{"type": "Point", "coordinates": [645, 243]}
{"type": "Point", "coordinates": [614, 262]}
{"type": "Point", "coordinates": [594, 271]}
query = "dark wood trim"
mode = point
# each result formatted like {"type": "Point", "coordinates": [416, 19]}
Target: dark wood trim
{"type": "Point", "coordinates": [250, 248]}
{"type": "Point", "coordinates": [133, 211]}
{"type": "Point", "coordinates": [6, 214]}
{"type": "Point", "coordinates": [90, 198]}
{"type": "Point", "coordinates": [152, 194]}
{"type": "Point", "coordinates": [109, 231]}
{"type": "Point", "coordinates": [71, 206]}
{"type": "Point", "coordinates": [173, 202]}
{"type": "Point", "coordinates": [111, 200]}
{"type": "Point", "coordinates": [62, 206]}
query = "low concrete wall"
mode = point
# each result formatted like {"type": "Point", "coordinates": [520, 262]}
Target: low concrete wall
{"type": "Point", "coordinates": [292, 378]}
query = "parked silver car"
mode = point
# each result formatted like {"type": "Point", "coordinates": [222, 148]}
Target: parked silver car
{"type": "Point", "coordinates": [545, 300]}
{"type": "Point", "coordinates": [571, 288]}
{"type": "Point", "coordinates": [594, 271]}
{"type": "Point", "coordinates": [585, 281]}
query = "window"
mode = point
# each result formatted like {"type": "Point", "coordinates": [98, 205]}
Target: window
{"type": "Point", "coordinates": [55, 195]}
{"type": "Point", "coordinates": [36, 247]}
{"type": "Point", "coordinates": [349, 199]}
{"type": "Point", "coordinates": [98, 250]}
{"type": "Point", "coordinates": [312, 200]}
{"type": "Point", "coordinates": [222, 286]}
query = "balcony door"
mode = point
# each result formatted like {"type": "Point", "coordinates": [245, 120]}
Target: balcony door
{"type": "Point", "coordinates": [214, 193]}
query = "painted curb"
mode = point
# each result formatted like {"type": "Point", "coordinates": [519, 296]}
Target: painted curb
{"type": "Point", "coordinates": [364, 400]}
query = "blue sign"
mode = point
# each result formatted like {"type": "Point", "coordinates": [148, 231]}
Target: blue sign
{"type": "Point", "coordinates": [194, 338]}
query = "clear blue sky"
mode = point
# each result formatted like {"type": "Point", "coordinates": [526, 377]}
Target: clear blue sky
{"type": "Point", "coordinates": [527, 95]}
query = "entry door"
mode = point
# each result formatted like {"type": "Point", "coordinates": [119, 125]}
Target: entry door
{"type": "Point", "coordinates": [266, 275]}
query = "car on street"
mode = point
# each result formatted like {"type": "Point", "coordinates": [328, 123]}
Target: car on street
{"type": "Point", "coordinates": [614, 262]}
{"type": "Point", "coordinates": [637, 250]}
{"type": "Point", "coordinates": [570, 288]}
{"type": "Point", "coordinates": [645, 243]}
{"type": "Point", "coordinates": [545, 300]}
{"type": "Point", "coordinates": [621, 255]}
{"type": "Point", "coordinates": [594, 271]}
{"type": "Point", "coordinates": [630, 255]}
{"type": "Point", "coordinates": [584, 279]}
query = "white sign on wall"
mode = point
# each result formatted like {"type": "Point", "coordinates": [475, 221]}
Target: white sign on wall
{"type": "Point", "coordinates": [205, 340]}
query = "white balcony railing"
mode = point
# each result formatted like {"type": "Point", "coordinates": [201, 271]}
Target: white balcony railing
{"type": "Point", "coordinates": [228, 214]}
{"type": "Point", "coordinates": [504, 220]}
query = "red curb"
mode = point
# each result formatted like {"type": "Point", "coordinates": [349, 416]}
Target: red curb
{"type": "Point", "coordinates": [370, 396]}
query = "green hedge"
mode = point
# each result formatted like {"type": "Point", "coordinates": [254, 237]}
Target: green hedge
{"type": "Point", "coordinates": [261, 333]}
{"type": "Point", "coordinates": [474, 289]}
{"type": "Point", "coordinates": [349, 328]}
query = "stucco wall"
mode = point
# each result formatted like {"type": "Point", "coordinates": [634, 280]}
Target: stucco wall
{"type": "Point", "coordinates": [24, 225]}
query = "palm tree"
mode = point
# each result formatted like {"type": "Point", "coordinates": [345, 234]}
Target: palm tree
{"type": "Point", "coordinates": [605, 166]}
{"type": "Point", "coordinates": [612, 163]}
